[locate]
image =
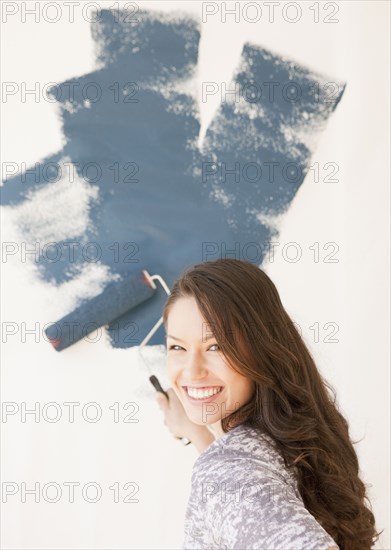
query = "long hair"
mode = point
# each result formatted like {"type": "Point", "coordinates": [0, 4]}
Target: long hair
{"type": "Point", "coordinates": [291, 401]}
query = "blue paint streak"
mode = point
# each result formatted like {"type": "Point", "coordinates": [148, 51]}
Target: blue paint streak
{"type": "Point", "coordinates": [170, 211]}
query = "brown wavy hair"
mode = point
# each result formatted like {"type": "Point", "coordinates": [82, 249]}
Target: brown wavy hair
{"type": "Point", "coordinates": [291, 401]}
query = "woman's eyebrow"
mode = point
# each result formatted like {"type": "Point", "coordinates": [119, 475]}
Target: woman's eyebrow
{"type": "Point", "coordinates": [179, 340]}
{"type": "Point", "coordinates": [174, 337]}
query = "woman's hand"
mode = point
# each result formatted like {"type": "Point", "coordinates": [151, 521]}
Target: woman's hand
{"type": "Point", "coordinates": [178, 423]}
{"type": "Point", "coordinates": [175, 417]}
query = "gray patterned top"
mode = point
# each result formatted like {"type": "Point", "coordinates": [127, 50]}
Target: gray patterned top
{"type": "Point", "coordinates": [243, 497]}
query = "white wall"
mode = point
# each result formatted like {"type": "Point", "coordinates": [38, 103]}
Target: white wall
{"type": "Point", "coordinates": [353, 293]}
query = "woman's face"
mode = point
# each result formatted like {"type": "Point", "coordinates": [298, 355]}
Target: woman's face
{"type": "Point", "coordinates": [198, 369]}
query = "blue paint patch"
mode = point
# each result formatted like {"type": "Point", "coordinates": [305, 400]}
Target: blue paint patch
{"type": "Point", "coordinates": [142, 190]}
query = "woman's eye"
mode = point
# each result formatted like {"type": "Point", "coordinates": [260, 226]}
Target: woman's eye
{"type": "Point", "coordinates": [213, 345]}
{"type": "Point", "coordinates": [173, 346]}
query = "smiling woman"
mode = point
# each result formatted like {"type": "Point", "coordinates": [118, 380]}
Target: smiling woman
{"type": "Point", "coordinates": [198, 371]}
{"type": "Point", "coordinates": [277, 468]}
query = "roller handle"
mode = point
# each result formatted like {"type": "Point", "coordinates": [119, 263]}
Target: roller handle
{"type": "Point", "coordinates": [156, 384]}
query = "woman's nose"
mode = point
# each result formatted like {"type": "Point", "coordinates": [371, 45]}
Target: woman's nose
{"type": "Point", "coordinates": [195, 366]}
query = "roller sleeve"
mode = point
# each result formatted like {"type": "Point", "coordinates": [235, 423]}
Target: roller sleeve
{"type": "Point", "coordinates": [116, 299]}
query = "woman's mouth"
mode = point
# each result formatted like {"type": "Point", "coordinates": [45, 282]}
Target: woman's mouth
{"type": "Point", "coordinates": [202, 395]}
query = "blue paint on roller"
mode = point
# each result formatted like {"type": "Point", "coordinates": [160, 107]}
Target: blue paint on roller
{"type": "Point", "coordinates": [117, 298]}
{"type": "Point", "coordinates": [161, 202]}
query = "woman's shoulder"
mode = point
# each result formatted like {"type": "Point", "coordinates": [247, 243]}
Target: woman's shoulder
{"type": "Point", "coordinates": [244, 496]}
{"type": "Point", "coordinates": [241, 450]}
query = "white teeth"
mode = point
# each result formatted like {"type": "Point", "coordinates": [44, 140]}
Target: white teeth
{"type": "Point", "coordinates": [202, 394]}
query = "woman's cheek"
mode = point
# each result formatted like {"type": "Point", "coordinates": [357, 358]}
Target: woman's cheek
{"type": "Point", "coordinates": [173, 368]}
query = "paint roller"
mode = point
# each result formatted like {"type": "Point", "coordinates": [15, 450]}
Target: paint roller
{"type": "Point", "coordinates": [117, 298]}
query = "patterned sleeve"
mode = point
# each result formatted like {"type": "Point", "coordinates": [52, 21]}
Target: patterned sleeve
{"type": "Point", "coordinates": [262, 513]}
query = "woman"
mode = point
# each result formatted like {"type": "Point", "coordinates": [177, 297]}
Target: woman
{"type": "Point", "coordinates": [277, 468]}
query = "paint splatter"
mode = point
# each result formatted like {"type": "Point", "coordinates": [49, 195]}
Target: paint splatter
{"type": "Point", "coordinates": [131, 189]}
